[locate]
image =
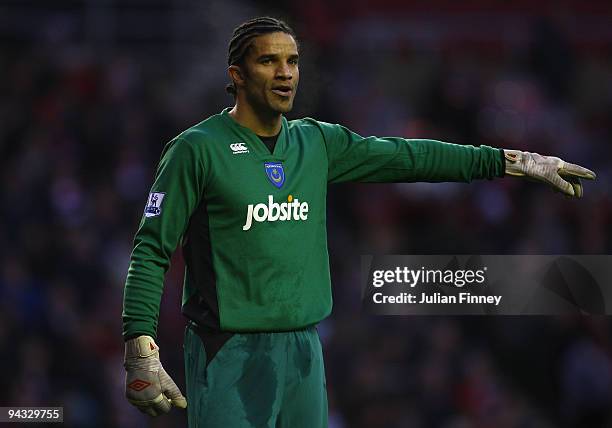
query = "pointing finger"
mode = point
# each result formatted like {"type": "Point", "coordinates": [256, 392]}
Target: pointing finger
{"type": "Point", "coordinates": [577, 170]}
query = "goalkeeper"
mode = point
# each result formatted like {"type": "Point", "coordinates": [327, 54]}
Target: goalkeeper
{"type": "Point", "coordinates": [244, 193]}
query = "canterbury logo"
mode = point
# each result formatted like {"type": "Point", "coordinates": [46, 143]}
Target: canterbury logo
{"type": "Point", "coordinates": [238, 148]}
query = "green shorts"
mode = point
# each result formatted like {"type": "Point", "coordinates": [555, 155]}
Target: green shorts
{"type": "Point", "coordinates": [272, 380]}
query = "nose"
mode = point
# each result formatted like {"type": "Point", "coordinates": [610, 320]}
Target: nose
{"type": "Point", "coordinates": [283, 72]}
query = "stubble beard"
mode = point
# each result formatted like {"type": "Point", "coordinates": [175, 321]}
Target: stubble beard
{"type": "Point", "coordinates": [270, 103]}
{"type": "Point", "coordinates": [287, 106]}
{"type": "Point", "coordinates": [284, 107]}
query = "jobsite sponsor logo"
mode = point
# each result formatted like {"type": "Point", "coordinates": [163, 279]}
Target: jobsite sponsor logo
{"type": "Point", "coordinates": [292, 210]}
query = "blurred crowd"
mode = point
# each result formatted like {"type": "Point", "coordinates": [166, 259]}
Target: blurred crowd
{"type": "Point", "coordinates": [91, 91]}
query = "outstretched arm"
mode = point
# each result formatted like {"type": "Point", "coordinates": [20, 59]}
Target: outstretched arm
{"type": "Point", "coordinates": [352, 157]}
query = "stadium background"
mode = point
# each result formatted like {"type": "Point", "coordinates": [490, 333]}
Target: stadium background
{"type": "Point", "coordinates": [91, 90]}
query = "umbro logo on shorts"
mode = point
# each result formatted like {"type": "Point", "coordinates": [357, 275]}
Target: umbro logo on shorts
{"type": "Point", "coordinates": [238, 148]}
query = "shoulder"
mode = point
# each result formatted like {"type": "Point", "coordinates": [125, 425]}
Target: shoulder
{"type": "Point", "coordinates": [202, 132]}
{"type": "Point", "coordinates": [308, 123]}
{"type": "Point", "coordinates": [304, 122]}
{"type": "Point", "coordinates": [306, 130]}
{"type": "Point", "coordinates": [190, 143]}
{"type": "Point", "coordinates": [327, 131]}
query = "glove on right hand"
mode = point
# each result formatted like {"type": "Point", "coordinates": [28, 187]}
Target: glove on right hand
{"type": "Point", "coordinates": [147, 385]}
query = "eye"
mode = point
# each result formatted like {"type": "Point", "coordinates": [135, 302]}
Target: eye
{"type": "Point", "coordinates": [266, 61]}
{"type": "Point", "coordinates": [293, 61]}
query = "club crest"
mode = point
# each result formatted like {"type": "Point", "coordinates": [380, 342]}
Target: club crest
{"type": "Point", "coordinates": [275, 173]}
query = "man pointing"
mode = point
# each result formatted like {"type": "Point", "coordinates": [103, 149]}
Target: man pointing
{"type": "Point", "coordinates": [244, 193]}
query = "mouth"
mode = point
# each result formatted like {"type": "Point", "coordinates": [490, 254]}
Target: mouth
{"type": "Point", "coordinates": [283, 90]}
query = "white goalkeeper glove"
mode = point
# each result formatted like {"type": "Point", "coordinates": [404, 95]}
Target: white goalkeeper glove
{"type": "Point", "coordinates": [147, 385]}
{"type": "Point", "coordinates": [562, 176]}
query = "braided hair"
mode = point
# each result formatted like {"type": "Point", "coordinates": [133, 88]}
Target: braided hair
{"type": "Point", "coordinates": [243, 35]}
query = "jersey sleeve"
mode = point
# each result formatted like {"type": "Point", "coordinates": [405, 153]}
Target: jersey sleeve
{"type": "Point", "coordinates": [352, 157]}
{"type": "Point", "coordinates": [175, 193]}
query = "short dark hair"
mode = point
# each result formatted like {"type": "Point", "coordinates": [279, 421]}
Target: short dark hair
{"type": "Point", "coordinates": [243, 35]}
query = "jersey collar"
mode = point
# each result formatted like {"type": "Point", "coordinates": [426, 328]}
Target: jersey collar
{"type": "Point", "coordinates": [244, 134]}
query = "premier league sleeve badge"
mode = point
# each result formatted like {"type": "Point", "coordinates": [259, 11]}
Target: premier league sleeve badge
{"type": "Point", "coordinates": [275, 173]}
{"type": "Point", "coordinates": [153, 207]}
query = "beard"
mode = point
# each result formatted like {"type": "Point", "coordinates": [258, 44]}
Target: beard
{"type": "Point", "coordinates": [261, 98]}
{"type": "Point", "coordinates": [268, 102]}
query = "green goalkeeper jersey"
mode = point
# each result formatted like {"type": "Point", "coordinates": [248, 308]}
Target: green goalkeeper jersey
{"type": "Point", "coordinates": [252, 223]}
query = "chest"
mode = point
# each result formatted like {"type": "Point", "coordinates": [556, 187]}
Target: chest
{"type": "Point", "coordinates": [244, 173]}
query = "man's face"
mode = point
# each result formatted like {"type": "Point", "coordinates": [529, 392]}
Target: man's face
{"type": "Point", "coordinates": [271, 73]}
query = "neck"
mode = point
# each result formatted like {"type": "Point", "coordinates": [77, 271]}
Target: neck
{"type": "Point", "coordinates": [262, 124]}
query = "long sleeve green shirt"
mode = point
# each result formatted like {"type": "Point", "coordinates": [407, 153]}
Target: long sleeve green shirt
{"type": "Point", "coordinates": [252, 223]}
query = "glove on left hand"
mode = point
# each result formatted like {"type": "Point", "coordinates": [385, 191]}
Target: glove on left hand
{"type": "Point", "coordinates": [561, 175]}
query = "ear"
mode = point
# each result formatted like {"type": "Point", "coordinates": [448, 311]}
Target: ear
{"type": "Point", "coordinates": [236, 74]}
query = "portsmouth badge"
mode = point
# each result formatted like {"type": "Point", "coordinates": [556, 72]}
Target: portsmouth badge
{"type": "Point", "coordinates": [153, 208]}
{"type": "Point", "coordinates": [275, 173]}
